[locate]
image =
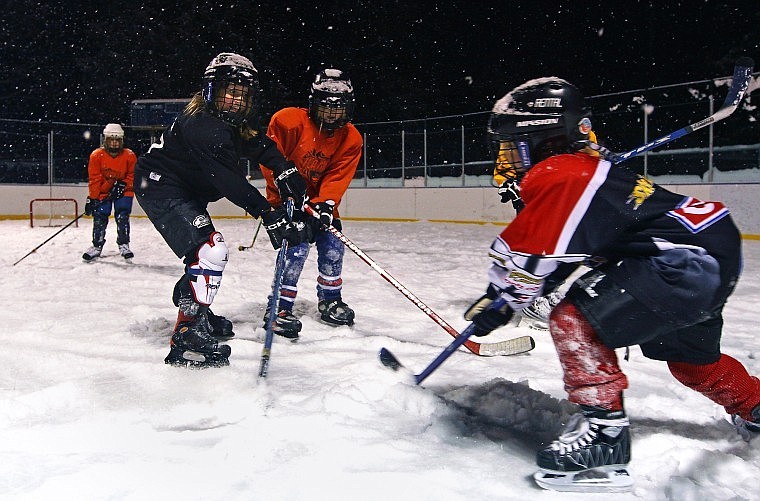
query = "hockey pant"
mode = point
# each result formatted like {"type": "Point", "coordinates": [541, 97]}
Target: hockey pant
{"type": "Point", "coordinates": [122, 208]}
{"type": "Point", "coordinates": [330, 253]}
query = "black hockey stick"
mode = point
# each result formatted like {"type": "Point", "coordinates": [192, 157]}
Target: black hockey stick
{"type": "Point", "coordinates": [739, 84]}
{"type": "Point", "coordinates": [256, 234]}
{"type": "Point", "coordinates": [274, 300]}
{"type": "Point", "coordinates": [59, 231]}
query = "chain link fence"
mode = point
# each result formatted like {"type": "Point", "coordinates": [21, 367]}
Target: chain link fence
{"type": "Point", "coordinates": [452, 150]}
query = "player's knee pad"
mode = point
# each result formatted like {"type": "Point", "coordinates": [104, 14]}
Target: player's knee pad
{"type": "Point", "coordinates": [205, 273]}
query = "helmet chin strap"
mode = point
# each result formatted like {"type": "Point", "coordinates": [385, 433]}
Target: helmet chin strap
{"type": "Point", "coordinates": [524, 151]}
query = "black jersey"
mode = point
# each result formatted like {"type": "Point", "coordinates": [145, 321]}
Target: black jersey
{"type": "Point", "coordinates": [198, 158]}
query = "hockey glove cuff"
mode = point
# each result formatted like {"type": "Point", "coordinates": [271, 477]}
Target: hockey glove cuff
{"type": "Point", "coordinates": [90, 205]}
{"type": "Point", "coordinates": [291, 184]}
{"type": "Point", "coordinates": [484, 318]}
{"type": "Point", "coordinates": [279, 228]}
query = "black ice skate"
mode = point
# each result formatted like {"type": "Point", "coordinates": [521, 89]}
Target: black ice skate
{"type": "Point", "coordinates": [285, 324]}
{"type": "Point", "coordinates": [336, 312]}
{"type": "Point", "coordinates": [591, 455]}
{"type": "Point", "coordinates": [748, 430]}
{"type": "Point", "coordinates": [193, 346]}
{"type": "Point", "coordinates": [219, 327]}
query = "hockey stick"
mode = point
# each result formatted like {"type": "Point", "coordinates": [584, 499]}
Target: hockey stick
{"type": "Point", "coordinates": [389, 360]}
{"type": "Point", "coordinates": [739, 84]}
{"type": "Point", "coordinates": [508, 347]}
{"type": "Point", "coordinates": [256, 234]}
{"type": "Point", "coordinates": [274, 300]}
{"type": "Point", "coordinates": [59, 231]}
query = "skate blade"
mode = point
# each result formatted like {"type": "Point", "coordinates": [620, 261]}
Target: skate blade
{"type": "Point", "coordinates": [195, 360]}
{"type": "Point", "coordinates": [603, 479]}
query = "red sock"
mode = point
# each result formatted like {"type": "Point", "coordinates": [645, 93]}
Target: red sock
{"type": "Point", "coordinates": [592, 374]}
{"type": "Point", "coordinates": [725, 382]}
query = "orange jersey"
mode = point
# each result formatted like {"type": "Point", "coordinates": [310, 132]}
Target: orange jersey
{"type": "Point", "coordinates": [327, 163]}
{"type": "Point", "coordinates": [104, 170]}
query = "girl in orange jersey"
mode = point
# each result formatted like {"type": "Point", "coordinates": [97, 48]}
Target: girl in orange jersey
{"type": "Point", "coordinates": [326, 149]}
{"type": "Point", "coordinates": [111, 172]}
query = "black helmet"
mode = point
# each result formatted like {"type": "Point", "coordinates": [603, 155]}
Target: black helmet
{"type": "Point", "coordinates": [538, 119]}
{"type": "Point", "coordinates": [331, 100]}
{"type": "Point", "coordinates": [233, 72]}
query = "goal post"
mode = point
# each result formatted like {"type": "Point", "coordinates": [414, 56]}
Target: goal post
{"type": "Point", "coordinates": [53, 211]}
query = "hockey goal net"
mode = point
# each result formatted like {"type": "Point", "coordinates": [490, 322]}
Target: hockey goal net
{"type": "Point", "coordinates": [53, 211]}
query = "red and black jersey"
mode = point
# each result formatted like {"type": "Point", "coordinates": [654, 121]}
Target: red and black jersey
{"type": "Point", "coordinates": [578, 208]}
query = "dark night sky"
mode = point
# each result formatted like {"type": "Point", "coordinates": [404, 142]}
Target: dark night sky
{"type": "Point", "coordinates": [85, 61]}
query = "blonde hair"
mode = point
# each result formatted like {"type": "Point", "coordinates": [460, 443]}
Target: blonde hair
{"type": "Point", "coordinates": [197, 103]}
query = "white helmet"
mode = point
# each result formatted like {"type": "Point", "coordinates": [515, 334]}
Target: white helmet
{"type": "Point", "coordinates": [113, 130]}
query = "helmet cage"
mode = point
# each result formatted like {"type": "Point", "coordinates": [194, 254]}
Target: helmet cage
{"type": "Point", "coordinates": [331, 100]}
{"type": "Point", "coordinates": [331, 111]}
{"type": "Point", "coordinates": [231, 93]}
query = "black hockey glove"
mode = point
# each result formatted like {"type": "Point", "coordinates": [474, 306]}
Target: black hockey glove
{"type": "Point", "coordinates": [90, 205]}
{"type": "Point", "coordinates": [484, 318]}
{"type": "Point", "coordinates": [509, 191]}
{"type": "Point", "coordinates": [117, 190]}
{"type": "Point", "coordinates": [279, 228]}
{"type": "Point", "coordinates": [324, 211]}
{"type": "Point", "coordinates": [291, 184]}
{"type": "Point", "coordinates": [311, 225]}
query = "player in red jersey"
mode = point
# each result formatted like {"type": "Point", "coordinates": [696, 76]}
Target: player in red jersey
{"type": "Point", "coordinates": [662, 267]}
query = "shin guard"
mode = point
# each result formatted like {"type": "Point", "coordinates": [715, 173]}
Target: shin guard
{"type": "Point", "coordinates": [725, 382]}
{"type": "Point", "coordinates": [592, 375]}
{"type": "Point", "coordinates": [206, 272]}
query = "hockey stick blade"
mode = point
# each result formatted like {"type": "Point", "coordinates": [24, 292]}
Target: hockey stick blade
{"type": "Point", "coordinates": [739, 84]}
{"type": "Point", "coordinates": [389, 360]}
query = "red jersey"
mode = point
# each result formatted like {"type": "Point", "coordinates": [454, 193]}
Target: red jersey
{"type": "Point", "coordinates": [104, 170]}
{"type": "Point", "coordinates": [327, 162]}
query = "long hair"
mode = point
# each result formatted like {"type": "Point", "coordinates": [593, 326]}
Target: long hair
{"type": "Point", "coordinates": [195, 105]}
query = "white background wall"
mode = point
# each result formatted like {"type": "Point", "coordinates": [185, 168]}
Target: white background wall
{"type": "Point", "coordinates": [464, 204]}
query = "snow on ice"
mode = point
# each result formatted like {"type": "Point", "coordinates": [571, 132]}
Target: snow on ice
{"type": "Point", "coordinates": [89, 410]}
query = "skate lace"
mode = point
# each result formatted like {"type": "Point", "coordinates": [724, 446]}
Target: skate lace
{"type": "Point", "coordinates": [581, 432]}
{"type": "Point", "coordinates": [540, 309]}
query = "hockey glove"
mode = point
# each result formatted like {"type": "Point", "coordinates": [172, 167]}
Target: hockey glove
{"type": "Point", "coordinates": [311, 225]}
{"type": "Point", "coordinates": [291, 184]}
{"type": "Point", "coordinates": [117, 190]}
{"type": "Point", "coordinates": [484, 318]}
{"type": "Point", "coordinates": [509, 191]}
{"type": "Point", "coordinates": [324, 211]}
{"type": "Point", "coordinates": [279, 228]}
{"type": "Point", "coordinates": [90, 205]}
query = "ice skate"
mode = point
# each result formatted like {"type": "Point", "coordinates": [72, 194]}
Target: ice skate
{"type": "Point", "coordinates": [92, 253]}
{"type": "Point", "coordinates": [219, 327]}
{"type": "Point", "coordinates": [538, 312]}
{"type": "Point", "coordinates": [336, 312]}
{"type": "Point", "coordinates": [591, 454]}
{"type": "Point", "coordinates": [748, 430]}
{"type": "Point", "coordinates": [192, 345]}
{"type": "Point", "coordinates": [125, 252]}
{"type": "Point", "coordinates": [285, 324]}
